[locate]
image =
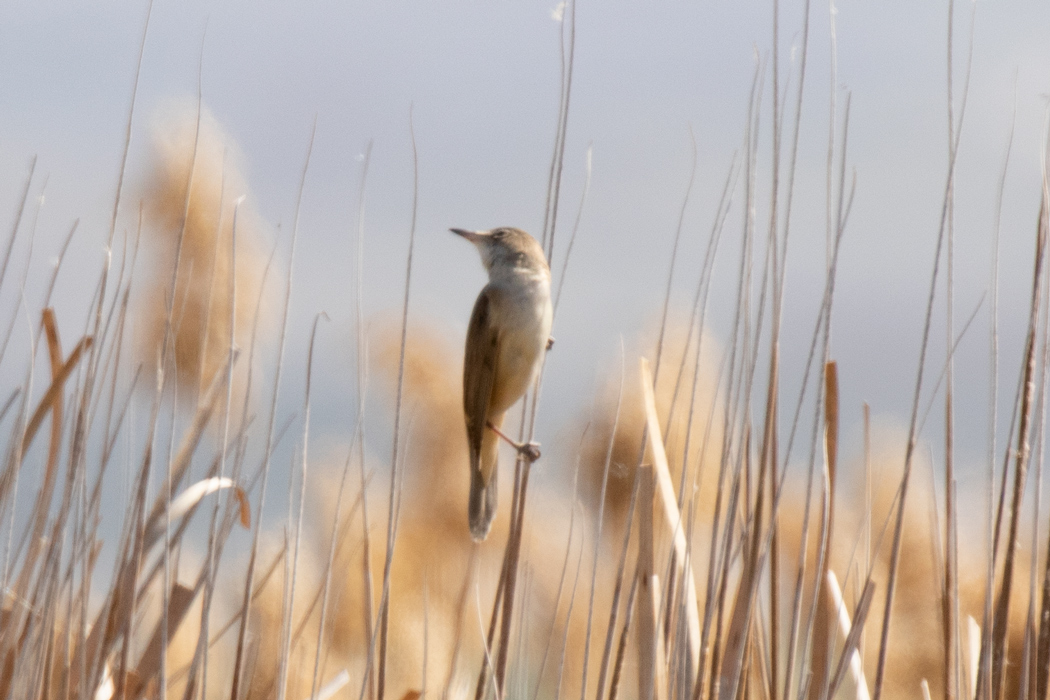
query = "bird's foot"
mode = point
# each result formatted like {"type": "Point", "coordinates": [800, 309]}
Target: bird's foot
{"type": "Point", "coordinates": [550, 342]}
{"type": "Point", "coordinates": [529, 451]}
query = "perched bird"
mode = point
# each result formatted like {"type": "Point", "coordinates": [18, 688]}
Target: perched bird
{"type": "Point", "coordinates": [508, 333]}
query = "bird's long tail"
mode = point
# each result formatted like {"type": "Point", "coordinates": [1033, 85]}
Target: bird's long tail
{"type": "Point", "coordinates": [483, 477]}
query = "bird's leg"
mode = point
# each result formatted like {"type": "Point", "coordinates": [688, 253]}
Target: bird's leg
{"type": "Point", "coordinates": [530, 451]}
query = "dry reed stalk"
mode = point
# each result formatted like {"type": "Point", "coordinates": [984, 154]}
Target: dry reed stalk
{"type": "Point", "coordinates": [598, 530]}
{"type": "Point", "coordinates": [384, 606]}
{"type": "Point", "coordinates": [59, 371]}
{"type": "Point", "coordinates": [332, 550]}
{"type": "Point", "coordinates": [270, 442]}
{"type": "Point", "coordinates": [289, 604]}
{"type": "Point", "coordinates": [191, 439]}
{"type": "Point", "coordinates": [851, 631]}
{"type": "Point", "coordinates": [952, 646]}
{"type": "Point", "coordinates": [821, 330]}
{"type": "Point", "coordinates": [179, 601]}
{"type": "Point", "coordinates": [648, 610]}
{"type": "Point", "coordinates": [674, 520]}
{"type": "Point", "coordinates": [660, 689]}
{"type": "Point", "coordinates": [13, 235]}
{"type": "Point", "coordinates": [1030, 670]}
{"type": "Point", "coordinates": [621, 650]}
{"type": "Point", "coordinates": [687, 403]}
{"type": "Point", "coordinates": [1002, 606]}
{"type": "Point", "coordinates": [48, 400]}
{"type": "Point", "coordinates": [566, 627]}
{"type": "Point", "coordinates": [513, 553]}
{"type": "Point", "coordinates": [561, 586]}
{"type": "Point", "coordinates": [823, 630]}
{"type": "Point", "coordinates": [730, 656]}
{"type": "Point", "coordinates": [739, 635]}
{"type": "Point", "coordinates": [550, 210]}
{"type": "Point", "coordinates": [984, 691]}
{"type": "Point", "coordinates": [946, 211]}
{"type": "Point", "coordinates": [614, 608]}
{"type": "Point", "coordinates": [362, 376]}
{"type": "Point", "coordinates": [1041, 654]}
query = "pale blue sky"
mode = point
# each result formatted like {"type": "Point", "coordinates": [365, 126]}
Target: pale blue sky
{"type": "Point", "coordinates": [482, 79]}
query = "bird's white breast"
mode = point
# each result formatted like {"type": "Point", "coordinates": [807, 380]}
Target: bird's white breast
{"type": "Point", "coordinates": [524, 320]}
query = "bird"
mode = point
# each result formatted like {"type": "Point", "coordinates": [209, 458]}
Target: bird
{"type": "Point", "coordinates": [507, 337]}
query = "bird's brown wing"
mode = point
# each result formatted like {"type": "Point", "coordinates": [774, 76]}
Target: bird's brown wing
{"type": "Point", "coordinates": [479, 371]}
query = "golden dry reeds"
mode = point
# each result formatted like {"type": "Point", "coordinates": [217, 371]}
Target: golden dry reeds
{"type": "Point", "coordinates": [686, 401]}
{"type": "Point", "coordinates": [439, 574]}
{"type": "Point", "coordinates": [696, 587]}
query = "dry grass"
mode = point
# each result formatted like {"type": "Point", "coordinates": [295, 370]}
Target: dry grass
{"type": "Point", "coordinates": [723, 510]}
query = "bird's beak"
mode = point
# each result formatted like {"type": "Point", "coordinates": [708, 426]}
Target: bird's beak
{"type": "Point", "coordinates": [472, 236]}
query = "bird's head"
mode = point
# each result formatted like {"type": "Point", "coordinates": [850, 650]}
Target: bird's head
{"type": "Point", "coordinates": [506, 248]}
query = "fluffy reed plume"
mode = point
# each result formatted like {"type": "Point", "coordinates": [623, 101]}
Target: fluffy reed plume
{"type": "Point", "coordinates": [916, 651]}
{"type": "Point", "coordinates": [433, 582]}
{"type": "Point", "coordinates": [433, 395]}
{"type": "Point", "coordinates": [684, 415]}
{"type": "Point", "coordinates": [434, 543]}
{"type": "Point", "coordinates": [220, 281]}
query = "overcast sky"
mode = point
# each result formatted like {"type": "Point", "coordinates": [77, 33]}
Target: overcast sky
{"type": "Point", "coordinates": [482, 81]}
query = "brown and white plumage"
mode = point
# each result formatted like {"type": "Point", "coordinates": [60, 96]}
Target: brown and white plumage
{"type": "Point", "coordinates": [506, 338]}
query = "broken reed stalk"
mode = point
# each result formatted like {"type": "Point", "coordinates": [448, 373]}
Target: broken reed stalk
{"type": "Point", "coordinates": [53, 402]}
{"type": "Point", "coordinates": [54, 347]}
{"type": "Point", "coordinates": [850, 657]}
{"type": "Point", "coordinates": [674, 519]}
